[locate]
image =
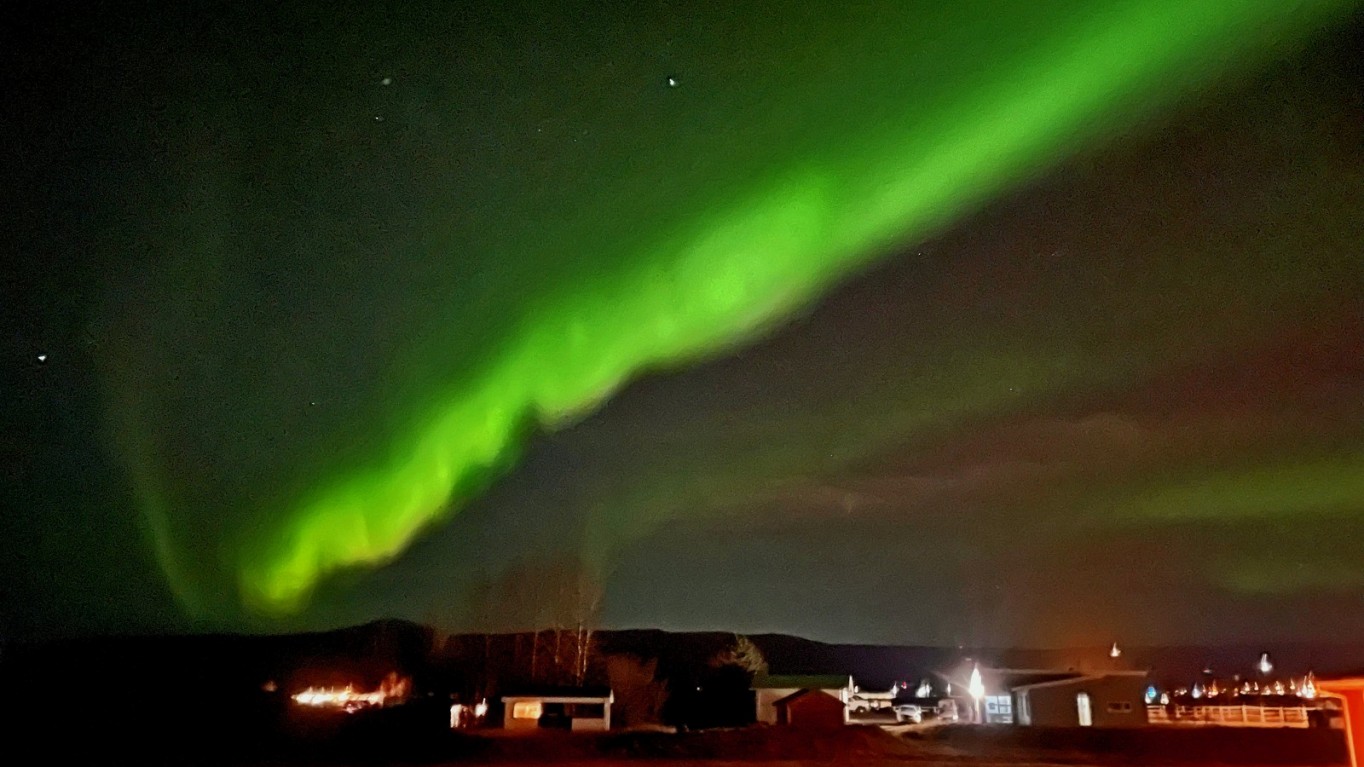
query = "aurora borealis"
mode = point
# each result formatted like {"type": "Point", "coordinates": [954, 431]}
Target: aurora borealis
{"type": "Point", "coordinates": [373, 311]}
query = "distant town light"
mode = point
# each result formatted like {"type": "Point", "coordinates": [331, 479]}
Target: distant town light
{"type": "Point", "coordinates": [393, 689]}
{"type": "Point", "coordinates": [344, 698]}
{"type": "Point", "coordinates": [1264, 666]}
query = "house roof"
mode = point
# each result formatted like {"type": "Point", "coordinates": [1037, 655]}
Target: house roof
{"type": "Point", "coordinates": [1006, 678]}
{"type": "Point", "coordinates": [1014, 678]}
{"type": "Point", "coordinates": [1336, 683]}
{"type": "Point", "coordinates": [1077, 678]}
{"type": "Point", "coordinates": [789, 699]}
{"type": "Point", "coordinates": [547, 692]}
{"type": "Point", "coordinates": [803, 682]}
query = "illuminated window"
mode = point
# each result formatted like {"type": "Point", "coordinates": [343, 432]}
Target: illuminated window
{"type": "Point", "coordinates": [526, 709]}
{"type": "Point", "coordinates": [1082, 710]}
{"type": "Point", "coordinates": [999, 709]}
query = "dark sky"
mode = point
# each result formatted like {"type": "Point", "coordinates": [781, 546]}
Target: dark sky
{"type": "Point", "coordinates": [1035, 323]}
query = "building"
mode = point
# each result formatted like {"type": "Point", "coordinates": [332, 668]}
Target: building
{"type": "Point", "coordinates": [579, 709]}
{"type": "Point", "coordinates": [984, 694]}
{"type": "Point", "coordinates": [1048, 697]}
{"type": "Point", "coordinates": [808, 700]}
{"type": "Point", "coordinates": [1349, 692]}
{"type": "Point", "coordinates": [1112, 699]}
{"type": "Point", "coordinates": [811, 708]}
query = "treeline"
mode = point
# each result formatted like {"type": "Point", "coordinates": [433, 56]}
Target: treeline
{"type": "Point", "coordinates": [688, 680]}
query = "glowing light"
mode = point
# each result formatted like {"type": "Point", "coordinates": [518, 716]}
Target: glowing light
{"type": "Point", "coordinates": [338, 697]}
{"type": "Point", "coordinates": [1197, 691]}
{"type": "Point", "coordinates": [1308, 688]}
{"type": "Point", "coordinates": [1151, 694]}
{"type": "Point", "coordinates": [1264, 666]}
{"type": "Point", "coordinates": [527, 709]}
{"type": "Point", "coordinates": [393, 689]}
{"type": "Point", "coordinates": [977, 685]}
{"type": "Point", "coordinates": [1114, 651]}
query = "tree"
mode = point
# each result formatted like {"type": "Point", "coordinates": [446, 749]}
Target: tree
{"type": "Point", "coordinates": [743, 654]}
{"type": "Point", "coordinates": [640, 694]}
{"type": "Point", "coordinates": [551, 609]}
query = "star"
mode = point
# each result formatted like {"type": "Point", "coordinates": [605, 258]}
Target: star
{"type": "Point", "coordinates": [42, 358]}
{"type": "Point", "coordinates": [672, 82]}
{"type": "Point", "coordinates": [386, 81]}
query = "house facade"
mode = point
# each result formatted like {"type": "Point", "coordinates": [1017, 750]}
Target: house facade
{"type": "Point", "coordinates": [1078, 695]}
{"type": "Point", "coordinates": [811, 708]}
{"type": "Point", "coordinates": [1115, 699]}
{"type": "Point", "coordinates": [802, 699]}
{"type": "Point", "coordinates": [579, 709]}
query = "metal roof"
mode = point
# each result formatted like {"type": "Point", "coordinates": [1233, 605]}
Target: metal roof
{"type": "Point", "coordinates": [803, 682]}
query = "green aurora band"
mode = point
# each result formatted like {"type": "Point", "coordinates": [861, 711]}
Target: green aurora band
{"type": "Point", "coordinates": [717, 275]}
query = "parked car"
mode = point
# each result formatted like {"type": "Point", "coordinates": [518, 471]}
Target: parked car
{"type": "Point", "coordinates": [866, 701]}
{"type": "Point", "coordinates": [947, 710]}
{"type": "Point", "coordinates": [909, 713]}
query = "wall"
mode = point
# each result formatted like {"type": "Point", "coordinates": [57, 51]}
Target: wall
{"type": "Point", "coordinates": [766, 700]}
{"type": "Point", "coordinates": [1054, 705]}
{"type": "Point", "coordinates": [815, 708]}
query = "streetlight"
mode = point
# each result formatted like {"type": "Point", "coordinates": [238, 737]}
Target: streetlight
{"type": "Point", "coordinates": [977, 690]}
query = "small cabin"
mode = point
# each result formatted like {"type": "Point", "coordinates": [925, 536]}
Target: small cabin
{"type": "Point", "coordinates": [802, 699]}
{"type": "Point", "coordinates": [577, 709]}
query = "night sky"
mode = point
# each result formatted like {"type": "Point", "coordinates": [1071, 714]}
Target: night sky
{"type": "Point", "coordinates": [906, 322]}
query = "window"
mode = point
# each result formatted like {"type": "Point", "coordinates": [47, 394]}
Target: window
{"type": "Point", "coordinates": [1082, 711]}
{"type": "Point", "coordinates": [526, 709]}
{"type": "Point", "coordinates": [587, 710]}
{"type": "Point", "coordinates": [1120, 707]}
{"type": "Point", "coordinates": [999, 709]}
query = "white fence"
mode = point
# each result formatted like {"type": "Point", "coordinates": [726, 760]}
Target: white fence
{"type": "Point", "coordinates": [1231, 716]}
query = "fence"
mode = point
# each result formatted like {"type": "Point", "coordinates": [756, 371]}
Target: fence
{"type": "Point", "coordinates": [1231, 716]}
